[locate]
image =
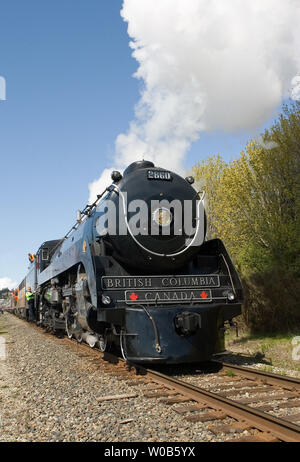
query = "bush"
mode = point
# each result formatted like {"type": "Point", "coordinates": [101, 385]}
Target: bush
{"type": "Point", "coordinates": [253, 205]}
{"type": "Point", "coordinates": [272, 302]}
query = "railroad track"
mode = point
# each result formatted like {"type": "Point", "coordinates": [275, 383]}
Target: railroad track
{"type": "Point", "coordinates": [224, 414]}
{"type": "Point", "coordinates": [202, 405]}
{"type": "Point", "coordinates": [230, 399]}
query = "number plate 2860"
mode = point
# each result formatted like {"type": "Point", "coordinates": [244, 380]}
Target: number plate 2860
{"type": "Point", "coordinates": [159, 175]}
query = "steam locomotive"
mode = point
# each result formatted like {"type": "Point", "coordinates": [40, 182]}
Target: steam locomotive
{"type": "Point", "coordinates": [148, 282]}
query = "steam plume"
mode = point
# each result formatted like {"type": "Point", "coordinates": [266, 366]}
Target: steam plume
{"type": "Point", "coordinates": [205, 65]}
{"type": "Point", "coordinates": [7, 283]}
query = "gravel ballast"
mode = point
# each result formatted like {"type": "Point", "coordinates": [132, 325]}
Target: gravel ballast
{"type": "Point", "coordinates": [49, 391]}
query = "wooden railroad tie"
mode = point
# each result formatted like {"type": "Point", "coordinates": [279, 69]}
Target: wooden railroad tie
{"type": "Point", "coordinates": [136, 382]}
{"type": "Point", "coordinates": [262, 437]}
{"type": "Point", "coordinates": [283, 405]}
{"type": "Point", "coordinates": [291, 417]}
{"type": "Point", "coordinates": [246, 383]}
{"type": "Point", "coordinates": [116, 397]}
{"type": "Point", "coordinates": [154, 386]}
{"type": "Point", "coordinates": [216, 415]}
{"type": "Point", "coordinates": [159, 394]}
{"type": "Point", "coordinates": [264, 399]}
{"type": "Point", "coordinates": [176, 399]}
{"type": "Point", "coordinates": [246, 390]}
{"type": "Point", "coordinates": [237, 427]}
{"type": "Point", "coordinates": [190, 408]}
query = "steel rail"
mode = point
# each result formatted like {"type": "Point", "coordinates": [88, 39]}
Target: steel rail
{"type": "Point", "coordinates": [282, 429]}
{"type": "Point", "coordinates": [285, 382]}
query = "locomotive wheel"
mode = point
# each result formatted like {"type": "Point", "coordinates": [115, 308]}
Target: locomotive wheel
{"type": "Point", "coordinates": [78, 337]}
{"type": "Point", "coordinates": [72, 328]}
{"type": "Point", "coordinates": [104, 342]}
{"type": "Point", "coordinates": [69, 329]}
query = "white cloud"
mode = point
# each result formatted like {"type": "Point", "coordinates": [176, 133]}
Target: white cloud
{"type": "Point", "coordinates": [206, 65]}
{"type": "Point", "coordinates": [265, 144]}
{"type": "Point", "coordinates": [98, 186]}
{"type": "Point", "coordinates": [295, 93]}
{"type": "Point", "coordinates": [7, 283]}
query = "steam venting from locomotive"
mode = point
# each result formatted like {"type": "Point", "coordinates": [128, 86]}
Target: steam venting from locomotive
{"type": "Point", "coordinates": [205, 65]}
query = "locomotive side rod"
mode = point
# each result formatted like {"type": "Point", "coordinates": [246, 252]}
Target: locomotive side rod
{"type": "Point", "coordinates": [282, 429]}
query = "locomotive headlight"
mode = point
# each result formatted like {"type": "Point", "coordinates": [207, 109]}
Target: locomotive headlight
{"type": "Point", "coordinates": [230, 296]}
{"type": "Point", "coordinates": [162, 216]}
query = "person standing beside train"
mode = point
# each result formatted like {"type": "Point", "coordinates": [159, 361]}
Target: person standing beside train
{"type": "Point", "coordinates": [30, 303]}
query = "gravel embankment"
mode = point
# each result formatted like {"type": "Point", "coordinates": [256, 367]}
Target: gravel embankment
{"type": "Point", "coordinates": [49, 391]}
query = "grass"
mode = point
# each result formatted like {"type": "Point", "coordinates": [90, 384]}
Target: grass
{"type": "Point", "coordinates": [245, 335]}
{"type": "Point", "coordinates": [2, 327]}
{"type": "Point", "coordinates": [275, 348]}
{"type": "Point", "coordinates": [230, 373]}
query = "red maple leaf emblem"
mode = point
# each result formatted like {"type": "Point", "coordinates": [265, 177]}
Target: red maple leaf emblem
{"type": "Point", "coordinates": [133, 297]}
{"type": "Point", "coordinates": [203, 294]}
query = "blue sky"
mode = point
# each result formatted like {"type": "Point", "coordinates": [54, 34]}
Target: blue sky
{"type": "Point", "coordinates": [70, 92]}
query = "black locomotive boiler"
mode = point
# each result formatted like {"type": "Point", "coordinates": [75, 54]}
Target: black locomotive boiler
{"type": "Point", "coordinates": [145, 281]}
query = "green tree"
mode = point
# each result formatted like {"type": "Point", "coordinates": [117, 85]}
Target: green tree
{"type": "Point", "coordinates": [253, 204]}
{"type": "Point", "coordinates": [208, 175]}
